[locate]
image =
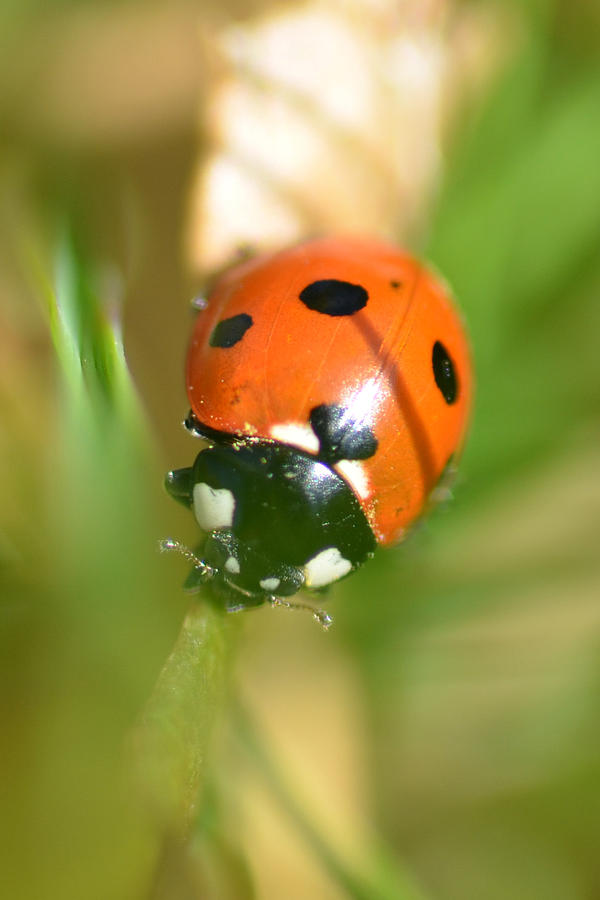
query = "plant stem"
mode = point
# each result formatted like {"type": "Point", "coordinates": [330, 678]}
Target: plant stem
{"type": "Point", "coordinates": [172, 739]}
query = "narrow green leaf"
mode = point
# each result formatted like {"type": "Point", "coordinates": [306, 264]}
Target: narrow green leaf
{"type": "Point", "coordinates": [171, 742]}
{"type": "Point", "coordinates": [100, 609]}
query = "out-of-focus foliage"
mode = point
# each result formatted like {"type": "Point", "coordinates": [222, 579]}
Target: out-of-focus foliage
{"type": "Point", "coordinates": [85, 622]}
{"type": "Point", "coordinates": [441, 741]}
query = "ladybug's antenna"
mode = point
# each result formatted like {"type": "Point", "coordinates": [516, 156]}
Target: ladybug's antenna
{"type": "Point", "coordinates": [324, 619]}
{"type": "Point", "coordinates": [170, 545]}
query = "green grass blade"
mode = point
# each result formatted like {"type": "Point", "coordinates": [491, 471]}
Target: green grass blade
{"type": "Point", "coordinates": [101, 612]}
{"type": "Point", "coordinates": [172, 740]}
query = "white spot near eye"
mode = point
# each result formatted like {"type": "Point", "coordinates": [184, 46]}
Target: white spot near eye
{"type": "Point", "coordinates": [325, 567]}
{"type": "Point", "coordinates": [232, 565]}
{"type": "Point", "coordinates": [297, 435]}
{"type": "Point", "coordinates": [354, 473]}
{"type": "Point", "coordinates": [213, 507]}
{"type": "Point", "coordinates": [269, 584]}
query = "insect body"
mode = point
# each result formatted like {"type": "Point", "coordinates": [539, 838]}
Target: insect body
{"type": "Point", "coordinates": [332, 383]}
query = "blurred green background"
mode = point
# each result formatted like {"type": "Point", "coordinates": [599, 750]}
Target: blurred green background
{"type": "Point", "coordinates": [441, 742]}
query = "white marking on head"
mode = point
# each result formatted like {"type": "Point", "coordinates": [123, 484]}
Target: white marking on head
{"type": "Point", "coordinates": [270, 584]}
{"type": "Point", "coordinates": [232, 565]}
{"type": "Point", "coordinates": [297, 435]}
{"type": "Point", "coordinates": [213, 507]}
{"type": "Point", "coordinates": [354, 473]}
{"type": "Point", "coordinates": [325, 567]}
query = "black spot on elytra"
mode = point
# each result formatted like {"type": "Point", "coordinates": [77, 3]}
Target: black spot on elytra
{"type": "Point", "coordinates": [334, 298]}
{"type": "Point", "coordinates": [340, 435]}
{"type": "Point", "coordinates": [444, 373]}
{"type": "Point", "coordinates": [396, 284]}
{"type": "Point", "coordinates": [228, 332]}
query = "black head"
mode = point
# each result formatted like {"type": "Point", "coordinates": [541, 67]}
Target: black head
{"type": "Point", "coordinates": [276, 518]}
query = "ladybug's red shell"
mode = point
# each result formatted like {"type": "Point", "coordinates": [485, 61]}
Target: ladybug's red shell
{"type": "Point", "coordinates": [341, 323]}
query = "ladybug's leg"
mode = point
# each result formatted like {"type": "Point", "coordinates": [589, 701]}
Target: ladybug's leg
{"type": "Point", "coordinates": [323, 618]}
{"type": "Point", "coordinates": [170, 545]}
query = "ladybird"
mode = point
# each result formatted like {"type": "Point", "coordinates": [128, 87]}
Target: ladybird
{"type": "Point", "coordinates": [331, 385]}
